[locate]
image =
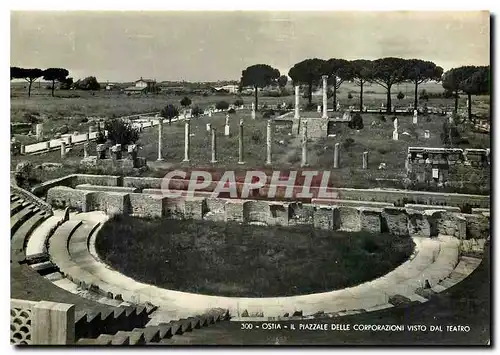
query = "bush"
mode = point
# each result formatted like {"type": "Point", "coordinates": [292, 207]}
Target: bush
{"type": "Point", "coordinates": [169, 112]}
{"type": "Point", "coordinates": [268, 113]}
{"type": "Point", "coordinates": [238, 102]}
{"type": "Point", "coordinates": [89, 83]}
{"type": "Point", "coordinates": [185, 102]}
{"type": "Point", "coordinates": [121, 132]}
{"type": "Point", "coordinates": [447, 94]}
{"type": "Point", "coordinates": [257, 137]}
{"type": "Point", "coordinates": [310, 107]}
{"type": "Point", "coordinates": [100, 138]}
{"type": "Point", "coordinates": [400, 96]}
{"type": "Point", "coordinates": [23, 173]}
{"type": "Point", "coordinates": [348, 143]}
{"type": "Point", "coordinates": [30, 118]}
{"type": "Point", "coordinates": [349, 96]}
{"type": "Point", "coordinates": [356, 122]}
{"type": "Point", "coordinates": [289, 105]}
{"type": "Point", "coordinates": [196, 111]}
{"type": "Point", "coordinates": [231, 110]}
{"type": "Point", "coordinates": [222, 105]}
{"type": "Point", "coordinates": [382, 118]}
{"type": "Point", "coordinates": [423, 95]}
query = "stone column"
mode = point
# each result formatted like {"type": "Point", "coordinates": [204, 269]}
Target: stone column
{"type": "Point", "coordinates": [395, 134]}
{"type": "Point", "coordinates": [365, 160]}
{"type": "Point", "coordinates": [39, 131]}
{"type": "Point", "coordinates": [253, 110]}
{"type": "Point", "coordinates": [297, 102]}
{"type": "Point", "coordinates": [63, 150]}
{"type": "Point", "coordinates": [319, 109]}
{"type": "Point", "coordinates": [325, 97]}
{"type": "Point", "coordinates": [336, 156]}
{"type": "Point", "coordinates": [269, 142]}
{"type": "Point", "coordinates": [240, 144]}
{"type": "Point", "coordinates": [415, 116]}
{"type": "Point", "coordinates": [304, 145]}
{"type": "Point", "coordinates": [209, 127]}
{"type": "Point", "coordinates": [85, 150]}
{"type": "Point", "coordinates": [53, 323]}
{"type": "Point", "coordinates": [187, 138]}
{"type": "Point", "coordinates": [214, 146]}
{"type": "Point", "coordinates": [226, 127]}
{"type": "Point", "coordinates": [160, 139]}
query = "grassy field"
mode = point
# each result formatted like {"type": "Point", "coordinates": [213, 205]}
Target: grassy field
{"type": "Point", "coordinates": [235, 260]}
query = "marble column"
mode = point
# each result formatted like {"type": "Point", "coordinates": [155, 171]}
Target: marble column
{"type": "Point", "coordinates": [63, 150]}
{"type": "Point", "coordinates": [160, 139]}
{"type": "Point", "coordinates": [214, 145]}
{"type": "Point", "coordinates": [325, 96]}
{"type": "Point", "coordinates": [269, 142]}
{"type": "Point", "coordinates": [336, 155]}
{"type": "Point", "coordinates": [297, 102]}
{"type": "Point", "coordinates": [187, 138]}
{"type": "Point", "coordinates": [240, 144]}
{"type": "Point", "coordinates": [365, 160]}
{"type": "Point", "coordinates": [304, 145]}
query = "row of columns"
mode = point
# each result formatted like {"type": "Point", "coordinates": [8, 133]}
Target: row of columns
{"type": "Point", "coordinates": [325, 99]}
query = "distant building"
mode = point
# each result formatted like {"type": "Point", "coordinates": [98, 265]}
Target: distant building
{"type": "Point", "coordinates": [232, 89]}
{"type": "Point", "coordinates": [143, 86]}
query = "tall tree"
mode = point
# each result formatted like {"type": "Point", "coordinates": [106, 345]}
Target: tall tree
{"type": "Point", "coordinates": [55, 74]}
{"type": "Point", "coordinates": [453, 80]}
{"type": "Point", "coordinates": [282, 81]}
{"type": "Point", "coordinates": [259, 76]}
{"type": "Point", "coordinates": [30, 75]}
{"type": "Point", "coordinates": [421, 71]}
{"type": "Point", "coordinates": [307, 72]}
{"type": "Point", "coordinates": [389, 71]}
{"type": "Point", "coordinates": [476, 84]}
{"type": "Point", "coordinates": [361, 72]}
{"type": "Point", "coordinates": [338, 70]}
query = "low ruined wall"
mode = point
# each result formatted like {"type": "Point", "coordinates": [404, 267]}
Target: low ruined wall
{"type": "Point", "coordinates": [41, 190]}
{"type": "Point", "coordinates": [105, 180]}
{"type": "Point", "coordinates": [31, 198]}
{"type": "Point", "coordinates": [394, 220]}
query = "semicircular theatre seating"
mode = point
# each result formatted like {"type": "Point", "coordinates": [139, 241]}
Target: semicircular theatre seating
{"type": "Point", "coordinates": [435, 266]}
{"type": "Point", "coordinates": [92, 318]}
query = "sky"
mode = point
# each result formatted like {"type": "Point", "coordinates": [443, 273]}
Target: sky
{"type": "Point", "coordinates": [211, 46]}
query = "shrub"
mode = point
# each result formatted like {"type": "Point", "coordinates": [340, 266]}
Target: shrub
{"type": "Point", "coordinates": [348, 143]}
{"type": "Point", "coordinates": [185, 102]}
{"type": "Point", "coordinates": [382, 118]}
{"type": "Point", "coordinates": [349, 96]}
{"type": "Point", "coordinates": [100, 138]}
{"type": "Point", "coordinates": [289, 105]}
{"type": "Point", "coordinates": [424, 95]}
{"type": "Point", "coordinates": [257, 136]}
{"type": "Point", "coordinates": [30, 118]}
{"type": "Point", "coordinates": [268, 113]}
{"type": "Point", "coordinates": [400, 96]}
{"type": "Point", "coordinates": [222, 105]}
{"type": "Point", "coordinates": [310, 107]}
{"type": "Point", "coordinates": [121, 132]}
{"type": "Point", "coordinates": [89, 83]}
{"type": "Point", "coordinates": [356, 122]}
{"type": "Point", "coordinates": [196, 111]}
{"type": "Point", "coordinates": [169, 112]}
{"type": "Point", "coordinates": [231, 110]}
{"type": "Point", "coordinates": [447, 94]}
{"type": "Point", "coordinates": [24, 173]}
{"type": "Point", "coordinates": [238, 102]}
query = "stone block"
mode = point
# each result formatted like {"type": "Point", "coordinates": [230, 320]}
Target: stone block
{"type": "Point", "coordinates": [194, 207]}
{"type": "Point", "coordinates": [278, 214]}
{"type": "Point", "coordinates": [418, 224]}
{"type": "Point", "coordinates": [53, 323]}
{"type": "Point", "coordinates": [370, 219]}
{"type": "Point", "coordinates": [300, 213]}
{"type": "Point", "coordinates": [477, 226]}
{"type": "Point", "coordinates": [449, 223]}
{"type": "Point", "coordinates": [145, 205]}
{"type": "Point", "coordinates": [61, 197]}
{"type": "Point", "coordinates": [233, 211]}
{"type": "Point", "coordinates": [256, 211]}
{"type": "Point", "coordinates": [324, 217]}
{"type": "Point", "coordinates": [350, 219]}
{"type": "Point", "coordinates": [395, 221]}
{"type": "Point", "coordinates": [110, 203]}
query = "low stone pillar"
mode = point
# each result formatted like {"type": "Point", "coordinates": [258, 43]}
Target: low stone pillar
{"type": "Point", "coordinates": [395, 133]}
{"type": "Point", "coordinates": [427, 134]}
{"type": "Point", "coordinates": [63, 150]}
{"type": "Point", "coordinates": [226, 127]}
{"type": "Point", "coordinates": [365, 160]}
{"type": "Point", "coordinates": [22, 149]}
{"type": "Point", "coordinates": [117, 151]}
{"type": "Point", "coordinates": [209, 113]}
{"type": "Point", "coordinates": [160, 139]}
{"type": "Point", "coordinates": [269, 142]}
{"type": "Point", "coordinates": [101, 151]}
{"type": "Point", "coordinates": [53, 323]}
{"type": "Point", "coordinates": [325, 96]}
{"type": "Point", "coordinates": [187, 139]}
{"type": "Point", "coordinates": [304, 145]}
{"type": "Point", "coordinates": [132, 151]}
{"type": "Point", "coordinates": [336, 155]}
{"type": "Point", "coordinates": [415, 116]}
{"type": "Point", "coordinates": [39, 131]}
{"type": "Point", "coordinates": [214, 146]}
{"type": "Point", "coordinates": [240, 144]}
{"type": "Point", "coordinates": [85, 150]}
{"type": "Point", "coordinates": [69, 140]}
{"type": "Point", "coordinates": [209, 127]}
{"type": "Point", "coordinates": [297, 102]}
{"type": "Point", "coordinates": [253, 111]}
{"type": "Point", "coordinates": [319, 109]}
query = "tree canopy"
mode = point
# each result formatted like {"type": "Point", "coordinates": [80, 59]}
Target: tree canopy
{"type": "Point", "coordinates": [55, 74]}
{"type": "Point", "coordinates": [338, 70]}
{"type": "Point", "coordinates": [89, 83]}
{"type": "Point", "coordinates": [30, 75]}
{"type": "Point", "coordinates": [387, 72]}
{"type": "Point", "coordinates": [453, 80]}
{"type": "Point", "coordinates": [307, 72]}
{"type": "Point", "coordinates": [259, 76]}
{"type": "Point", "coordinates": [421, 71]}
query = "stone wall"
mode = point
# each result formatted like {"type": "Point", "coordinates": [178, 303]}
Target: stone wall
{"type": "Point", "coordinates": [393, 220]}
{"type": "Point", "coordinates": [105, 180]}
{"type": "Point", "coordinates": [449, 167]}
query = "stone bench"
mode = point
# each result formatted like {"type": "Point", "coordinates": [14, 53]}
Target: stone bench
{"type": "Point", "coordinates": [89, 187]}
{"type": "Point", "coordinates": [420, 207]}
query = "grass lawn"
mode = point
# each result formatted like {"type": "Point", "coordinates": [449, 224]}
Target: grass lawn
{"type": "Point", "coordinates": [229, 259]}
